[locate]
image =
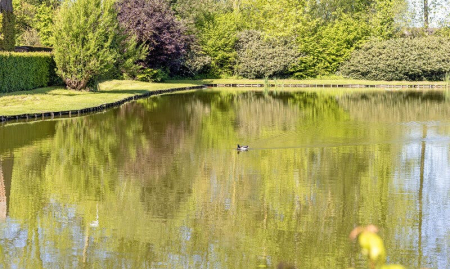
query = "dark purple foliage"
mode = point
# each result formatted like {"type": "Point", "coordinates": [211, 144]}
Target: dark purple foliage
{"type": "Point", "coordinates": [155, 24]}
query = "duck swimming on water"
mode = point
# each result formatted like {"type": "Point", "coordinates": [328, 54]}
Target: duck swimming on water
{"type": "Point", "coordinates": [242, 148]}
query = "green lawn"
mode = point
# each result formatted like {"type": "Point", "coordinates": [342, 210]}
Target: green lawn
{"type": "Point", "coordinates": [53, 99]}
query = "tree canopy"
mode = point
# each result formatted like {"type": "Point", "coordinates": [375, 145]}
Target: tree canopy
{"type": "Point", "coordinates": [86, 37]}
{"type": "Point", "coordinates": [154, 24]}
{"type": "Point", "coordinates": [209, 38]}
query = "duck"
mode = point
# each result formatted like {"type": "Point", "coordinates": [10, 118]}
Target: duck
{"type": "Point", "coordinates": [242, 148]}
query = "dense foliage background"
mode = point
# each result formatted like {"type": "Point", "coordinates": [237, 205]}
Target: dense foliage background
{"type": "Point", "coordinates": [244, 38]}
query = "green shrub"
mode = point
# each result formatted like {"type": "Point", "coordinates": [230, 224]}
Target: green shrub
{"type": "Point", "coordinates": [26, 71]}
{"type": "Point", "coordinates": [260, 57]}
{"type": "Point", "coordinates": [152, 75]}
{"type": "Point", "coordinates": [197, 62]}
{"type": "Point", "coordinates": [84, 35]}
{"type": "Point", "coordinates": [130, 54]}
{"type": "Point", "coordinates": [425, 58]}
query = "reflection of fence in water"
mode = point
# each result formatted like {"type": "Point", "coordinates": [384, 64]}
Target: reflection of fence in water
{"type": "Point", "coordinates": [292, 85]}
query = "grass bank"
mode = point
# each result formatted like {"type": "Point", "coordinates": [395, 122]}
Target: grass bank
{"type": "Point", "coordinates": [53, 99]}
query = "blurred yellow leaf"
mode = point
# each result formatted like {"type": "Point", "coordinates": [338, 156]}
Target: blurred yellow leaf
{"type": "Point", "coordinates": [372, 246]}
{"type": "Point", "coordinates": [392, 266]}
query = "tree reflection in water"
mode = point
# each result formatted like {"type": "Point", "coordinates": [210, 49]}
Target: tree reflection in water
{"type": "Point", "coordinates": [162, 183]}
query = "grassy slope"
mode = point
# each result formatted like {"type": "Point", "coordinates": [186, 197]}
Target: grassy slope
{"type": "Point", "coordinates": [52, 99]}
{"type": "Point", "coordinates": [59, 99]}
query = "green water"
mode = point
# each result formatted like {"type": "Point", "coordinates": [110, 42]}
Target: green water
{"type": "Point", "coordinates": [158, 183]}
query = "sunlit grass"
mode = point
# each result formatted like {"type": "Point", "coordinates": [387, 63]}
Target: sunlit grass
{"type": "Point", "coordinates": [53, 99]}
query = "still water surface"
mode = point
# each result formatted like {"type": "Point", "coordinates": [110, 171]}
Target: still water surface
{"type": "Point", "coordinates": [158, 183]}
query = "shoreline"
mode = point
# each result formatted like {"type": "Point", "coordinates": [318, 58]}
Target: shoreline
{"type": "Point", "coordinates": [37, 116]}
{"type": "Point", "coordinates": [79, 112]}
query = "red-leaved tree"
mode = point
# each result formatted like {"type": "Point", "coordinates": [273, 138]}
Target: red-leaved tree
{"type": "Point", "coordinates": [155, 25]}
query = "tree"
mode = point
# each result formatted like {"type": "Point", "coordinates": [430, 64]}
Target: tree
{"type": "Point", "coordinates": [326, 48]}
{"type": "Point", "coordinates": [34, 21]}
{"type": "Point", "coordinates": [7, 33]}
{"type": "Point", "coordinates": [427, 15]}
{"type": "Point", "coordinates": [85, 34]}
{"type": "Point", "coordinates": [384, 20]}
{"type": "Point", "coordinates": [275, 17]}
{"type": "Point", "coordinates": [198, 12]}
{"type": "Point", "coordinates": [155, 25]}
{"type": "Point", "coordinates": [43, 22]}
{"type": "Point", "coordinates": [218, 39]}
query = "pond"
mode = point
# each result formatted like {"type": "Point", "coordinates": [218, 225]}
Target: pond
{"type": "Point", "coordinates": [158, 183]}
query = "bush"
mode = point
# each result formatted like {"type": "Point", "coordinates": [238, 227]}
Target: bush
{"type": "Point", "coordinates": [84, 35]}
{"type": "Point", "coordinates": [127, 62]}
{"type": "Point", "coordinates": [152, 75]}
{"type": "Point", "coordinates": [26, 71]}
{"type": "Point", "coordinates": [415, 59]}
{"type": "Point", "coordinates": [260, 57]}
{"type": "Point", "coordinates": [197, 62]}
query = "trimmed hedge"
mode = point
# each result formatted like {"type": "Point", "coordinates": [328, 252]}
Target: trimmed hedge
{"type": "Point", "coordinates": [26, 71]}
{"type": "Point", "coordinates": [426, 58]}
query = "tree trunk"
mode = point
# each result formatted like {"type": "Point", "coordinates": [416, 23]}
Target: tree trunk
{"type": "Point", "coordinates": [6, 5]}
{"type": "Point", "coordinates": [7, 35]}
{"type": "Point", "coordinates": [422, 174]}
{"type": "Point", "coordinates": [76, 84]}
{"type": "Point", "coordinates": [425, 15]}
